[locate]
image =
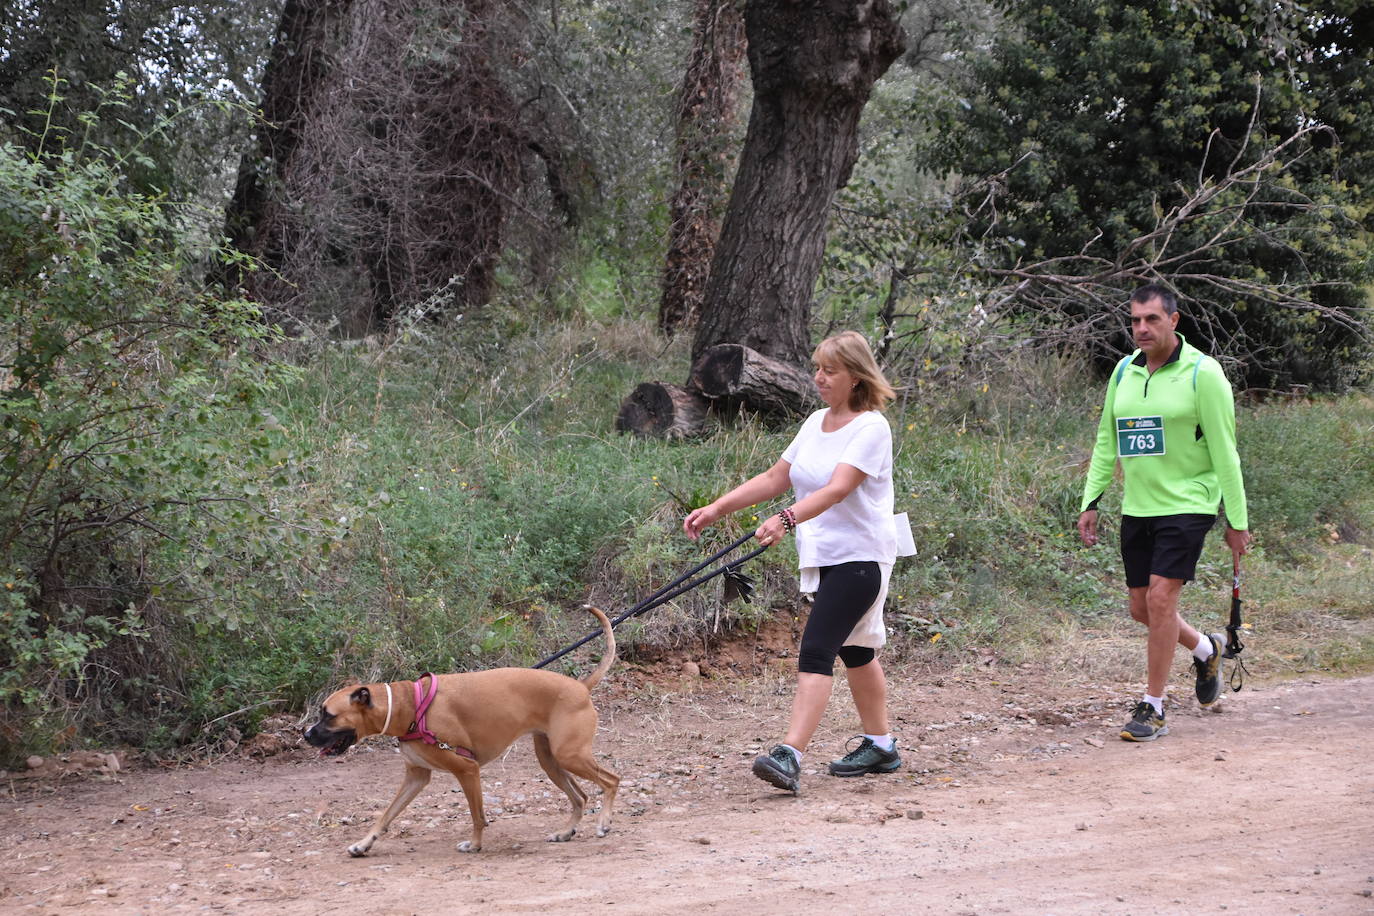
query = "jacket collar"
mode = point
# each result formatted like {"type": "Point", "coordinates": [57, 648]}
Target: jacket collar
{"type": "Point", "coordinates": [1139, 358]}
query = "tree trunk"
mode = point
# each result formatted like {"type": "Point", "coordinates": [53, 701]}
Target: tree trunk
{"type": "Point", "coordinates": [705, 119]}
{"type": "Point", "coordinates": [739, 376]}
{"type": "Point", "coordinates": [388, 163]}
{"type": "Point", "coordinates": [661, 410]}
{"type": "Point", "coordinates": [813, 64]}
{"type": "Point", "coordinates": [298, 71]}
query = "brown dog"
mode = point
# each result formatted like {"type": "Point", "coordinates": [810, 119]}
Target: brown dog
{"type": "Point", "coordinates": [480, 714]}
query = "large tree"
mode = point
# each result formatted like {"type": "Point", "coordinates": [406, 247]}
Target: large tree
{"type": "Point", "coordinates": [706, 118]}
{"type": "Point", "coordinates": [813, 64]}
{"type": "Point", "coordinates": [391, 155]}
{"type": "Point", "coordinates": [1221, 147]}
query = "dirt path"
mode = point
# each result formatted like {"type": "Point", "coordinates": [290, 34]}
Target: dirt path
{"type": "Point", "coordinates": [1016, 797]}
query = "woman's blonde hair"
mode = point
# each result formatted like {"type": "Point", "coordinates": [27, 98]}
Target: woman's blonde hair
{"type": "Point", "coordinates": [850, 350]}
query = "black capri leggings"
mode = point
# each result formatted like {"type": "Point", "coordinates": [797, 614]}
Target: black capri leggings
{"type": "Point", "coordinates": [846, 592]}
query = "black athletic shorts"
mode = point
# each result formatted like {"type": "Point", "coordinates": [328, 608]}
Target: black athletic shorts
{"type": "Point", "coordinates": [846, 592]}
{"type": "Point", "coordinates": [1166, 545]}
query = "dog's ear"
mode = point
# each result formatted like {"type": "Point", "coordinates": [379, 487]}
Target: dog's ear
{"type": "Point", "coordinates": [361, 697]}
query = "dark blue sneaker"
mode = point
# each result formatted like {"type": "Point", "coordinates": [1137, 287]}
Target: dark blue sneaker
{"type": "Point", "coordinates": [779, 767]}
{"type": "Point", "coordinates": [866, 758]}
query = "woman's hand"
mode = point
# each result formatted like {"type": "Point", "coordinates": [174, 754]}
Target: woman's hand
{"type": "Point", "coordinates": [771, 531]}
{"type": "Point", "coordinates": [699, 519]}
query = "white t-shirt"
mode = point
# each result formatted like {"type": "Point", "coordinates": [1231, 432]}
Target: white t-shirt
{"type": "Point", "coordinates": [859, 527]}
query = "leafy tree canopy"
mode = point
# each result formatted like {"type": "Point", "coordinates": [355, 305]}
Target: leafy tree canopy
{"type": "Point", "coordinates": [1223, 147]}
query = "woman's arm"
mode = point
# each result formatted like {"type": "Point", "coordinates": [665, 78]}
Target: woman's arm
{"type": "Point", "coordinates": [771, 484]}
{"type": "Point", "coordinates": [843, 481]}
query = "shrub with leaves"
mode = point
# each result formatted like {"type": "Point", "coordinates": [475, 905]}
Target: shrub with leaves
{"type": "Point", "coordinates": [134, 459]}
{"type": "Point", "coordinates": [1220, 147]}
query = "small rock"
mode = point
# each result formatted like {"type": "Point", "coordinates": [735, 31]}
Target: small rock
{"type": "Point", "coordinates": [691, 669]}
{"type": "Point", "coordinates": [34, 762]}
{"type": "Point", "coordinates": [1092, 742]}
{"type": "Point", "coordinates": [1221, 755]}
{"type": "Point", "coordinates": [915, 814]}
{"type": "Point", "coordinates": [703, 840]}
{"type": "Point", "coordinates": [1080, 826]}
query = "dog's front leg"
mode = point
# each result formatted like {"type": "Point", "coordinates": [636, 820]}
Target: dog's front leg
{"type": "Point", "coordinates": [470, 779]}
{"type": "Point", "coordinates": [416, 778]}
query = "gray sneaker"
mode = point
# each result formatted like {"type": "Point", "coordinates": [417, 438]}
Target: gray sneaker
{"type": "Point", "coordinates": [779, 767]}
{"type": "Point", "coordinates": [866, 758]}
{"type": "Point", "coordinates": [1209, 672]}
{"type": "Point", "coordinates": [1145, 724]}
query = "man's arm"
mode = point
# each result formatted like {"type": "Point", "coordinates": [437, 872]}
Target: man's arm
{"type": "Point", "coordinates": [1103, 461]}
{"type": "Point", "coordinates": [1216, 407]}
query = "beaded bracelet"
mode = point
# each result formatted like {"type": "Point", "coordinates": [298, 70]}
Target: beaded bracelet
{"type": "Point", "coordinates": [789, 520]}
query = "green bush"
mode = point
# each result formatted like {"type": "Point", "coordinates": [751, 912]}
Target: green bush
{"type": "Point", "coordinates": [146, 489]}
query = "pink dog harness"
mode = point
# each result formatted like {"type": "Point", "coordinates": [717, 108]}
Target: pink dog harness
{"type": "Point", "coordinates": [419, 731]}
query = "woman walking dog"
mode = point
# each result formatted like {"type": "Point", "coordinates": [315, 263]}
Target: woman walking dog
{"type": "Point", "coordinates": [840, 467]}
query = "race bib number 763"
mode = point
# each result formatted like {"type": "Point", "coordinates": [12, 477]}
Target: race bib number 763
{"type": "Point", "coordinates": [1137, 436]}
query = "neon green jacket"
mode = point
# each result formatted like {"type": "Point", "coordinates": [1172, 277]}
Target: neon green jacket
{"type": "Point", "coordinates": [1174, 433]}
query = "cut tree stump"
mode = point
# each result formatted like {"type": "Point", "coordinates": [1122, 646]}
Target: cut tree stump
{"type": "Point", "coordinates": [663, 411]}
{"type": "Point", "coordinates": [743, 377]}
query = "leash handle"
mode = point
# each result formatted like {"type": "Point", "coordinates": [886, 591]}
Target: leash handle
{"type": "Point", "coordinates": [1233, 627]}
{"type": "Point", "coordinates": [667, 593]}
{"type": "Point", "coordinates": [658, 598]}
{"type": "Point", "coordinates": [663, 599]}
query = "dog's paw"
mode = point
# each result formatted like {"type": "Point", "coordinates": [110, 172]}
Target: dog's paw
{"type": "Point", "coordinates": [469, 846]}
{"type": "Point", "coordinates": [602, 831]}
{"type": "Point", "coordinates": [358, 850]}
{"type": "Point", "coordinates": [562, 837]}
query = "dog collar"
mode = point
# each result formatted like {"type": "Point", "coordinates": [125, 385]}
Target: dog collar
{"type": "Point", "coordinates": [389, 708]}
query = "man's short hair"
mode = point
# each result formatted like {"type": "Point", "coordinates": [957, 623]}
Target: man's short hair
{"type": "Point", "coordinates": [1156, 291]}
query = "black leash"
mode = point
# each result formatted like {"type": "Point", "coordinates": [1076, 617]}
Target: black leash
{"type": "Point", "coordinates": [1233, 644]}
{"type": "Point", "coordinates": [679, 586]}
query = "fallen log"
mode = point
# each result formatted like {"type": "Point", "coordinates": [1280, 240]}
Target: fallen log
{"type": "Point", "coordinates": [738, 376]}
{"type": "Point", "coordinates": [663, 411]}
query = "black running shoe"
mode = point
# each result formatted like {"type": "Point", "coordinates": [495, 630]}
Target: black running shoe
{"type": "Point", "coordinates": [1209, 672]}
{"type": "Point", "coordinates": [1145, 724]}
{"type": "Point", "coordinates": [779, 767]}
{"type": "Point", "coordinates": [866, 758]}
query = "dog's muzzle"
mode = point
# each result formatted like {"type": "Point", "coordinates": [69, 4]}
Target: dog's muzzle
{"type": "Point", "coordinates": [331, 743]}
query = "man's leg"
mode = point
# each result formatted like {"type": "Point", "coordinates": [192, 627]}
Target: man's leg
{"type": "Point", "coordinates": [1167, 630]}
{"type": "Point", "coordinates": [1155, 606]}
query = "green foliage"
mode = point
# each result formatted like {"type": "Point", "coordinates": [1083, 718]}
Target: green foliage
{"type": "Point", "coordinates": [1101, 120]}
{"type": "Point", "coordinates": [1309, 468]}
{"type": "Point", "coordinates": [136, 457]}
{"type": "Point", "coordinates": [480, 498]}
{"type": "Point", "coordinates": [144, 64]}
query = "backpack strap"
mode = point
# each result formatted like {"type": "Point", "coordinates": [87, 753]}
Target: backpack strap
{"type": "Point", "coordinates": [1196, 366]}
{"type": "Point", "coordinates": [1126, 361]}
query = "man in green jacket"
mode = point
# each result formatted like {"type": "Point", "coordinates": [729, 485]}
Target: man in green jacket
{"type": "Point", "coordinates": [1170, 418]}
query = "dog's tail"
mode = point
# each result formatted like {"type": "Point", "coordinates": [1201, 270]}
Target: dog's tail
{"type": "Point", "coordinates": [608, 659]}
